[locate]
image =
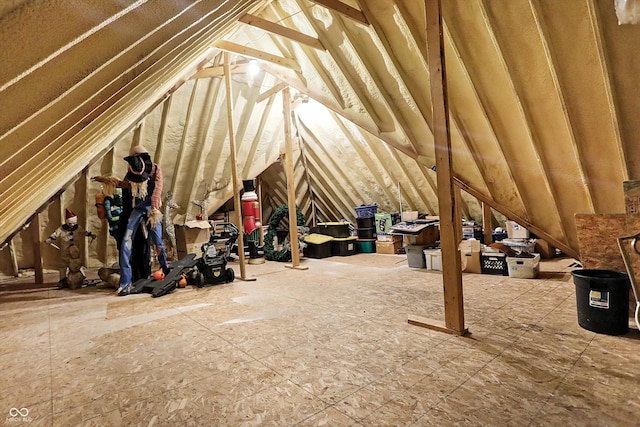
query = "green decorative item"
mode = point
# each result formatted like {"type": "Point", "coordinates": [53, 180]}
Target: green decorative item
{"type": "Point", "coordinates": [270, 253]}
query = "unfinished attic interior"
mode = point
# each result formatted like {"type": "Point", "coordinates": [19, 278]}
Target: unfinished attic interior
{"type": "Point", "coordinates": [488, 116]}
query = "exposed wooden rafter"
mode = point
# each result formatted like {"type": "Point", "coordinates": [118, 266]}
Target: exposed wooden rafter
{"type": "Point", "coordinates": [281, 30]}
{"type": "Point", "coordinates": [257, 54]}
{"type": "Point", "coordinates": [343, 9]}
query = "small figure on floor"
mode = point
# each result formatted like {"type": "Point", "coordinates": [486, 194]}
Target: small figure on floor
{"type": "Point", "coordinates": [64, 238]}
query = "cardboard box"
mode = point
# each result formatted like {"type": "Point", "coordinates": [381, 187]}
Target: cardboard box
{"type": "Point", "coordinates": [389, 238]}
{"type": "Point", "coordinates": [191, 236]}
{"type": "Point", "coordinates": [516, 231]}
{"type": "Point", "coordinates": [470, 245]}
{"type": "Point", "coordinates": [387, 247]}
{"type": "Point", "coordinates": [427, 237]}
{"type": "Point", "coordinates": [409, 216]}
{"type": "Point", "coordinates": [470, 256]}
{"type": "Point", "coordinates": [470, 262]}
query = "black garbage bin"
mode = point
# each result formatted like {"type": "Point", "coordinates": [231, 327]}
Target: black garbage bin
{"type": "Point", "coordinates": [602, 298]}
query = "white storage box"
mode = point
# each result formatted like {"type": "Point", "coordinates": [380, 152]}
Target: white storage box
{"type": "Point", "coordinates": [524, 268]}
{"type": "Point", "coordinates": [433, 259]}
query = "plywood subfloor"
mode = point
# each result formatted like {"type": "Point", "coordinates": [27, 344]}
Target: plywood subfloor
{"type": "Point", "coordinates": [326, 346]}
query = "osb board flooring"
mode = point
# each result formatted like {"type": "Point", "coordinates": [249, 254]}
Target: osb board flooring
{"type": "Point", "coordinates": [598, 240]}
{"type": "Point", "coordinates": [327, 346]}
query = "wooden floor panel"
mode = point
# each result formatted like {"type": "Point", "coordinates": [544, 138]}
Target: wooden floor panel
{"type": "Point", "coordinates": [325, 346]}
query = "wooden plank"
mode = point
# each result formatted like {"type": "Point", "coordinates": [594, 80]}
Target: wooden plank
{"type": "Point", "coordinates": [487, 226]}
{"type": "Point", "coordinates": [281, 30]}
{"type": "Point", "coordinates": [291, 189]}
{"type": "Point", "coordinates": [257, 54]}
{"type": "Point", "coordinates": [452, 275]}
{"type": "Point", "coordinates": [234, 167]}
{"type": "Point", "coordinates": [436, 325]}
{"type": "Point", "coordinates": [343, 9]}
{"type": "Point", "coordinates": [218, 71]}
{"type": "Point", "coordinates": [270, 92]}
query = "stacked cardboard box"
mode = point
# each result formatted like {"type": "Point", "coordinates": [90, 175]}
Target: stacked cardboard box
{"type": "Point", "coordinates": [470, 256]}
{"type": "Point", "coordinates": [388, 244]}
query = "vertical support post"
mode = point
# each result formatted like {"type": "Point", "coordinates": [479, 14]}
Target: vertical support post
{"type": "Point", "coordinates": [487, 226]}
{"type": "Point", "coordinates": [234, 167]}
{"type": "Point", "coordinates": [291, 187]}
{"type": "Point", "coordinates": [451, 274]}
{"type": "Point", "coordinates": [37, 249]}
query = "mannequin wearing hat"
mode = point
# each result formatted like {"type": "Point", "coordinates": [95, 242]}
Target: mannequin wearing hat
{"type": "Point", "coordinates": [64, 238]}
{"type": "Point", "coordinates": [142, 186]}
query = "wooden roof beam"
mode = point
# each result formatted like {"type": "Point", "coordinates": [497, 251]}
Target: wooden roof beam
{"type": "Point", "coordinates": [343, 9]}
{"type": "Point", "coordinates": [281, 30]}
{"type": "Point", "coordinates": [218, 71]}
{"type": "Point", "coordinates": [249, 52]}
{"type": "Point", "coordinates": [270, 92]}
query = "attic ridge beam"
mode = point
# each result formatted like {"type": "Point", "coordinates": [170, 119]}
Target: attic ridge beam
{"type": "Point", "coordinates": [257, 54]}
{"type": "Point", "coordinates": [343, 9]}
{"type": "Point", "coordinates": [281, 30]}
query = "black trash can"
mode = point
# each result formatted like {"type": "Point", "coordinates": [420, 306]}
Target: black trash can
{"type": "Point", "coordinates": [602, 298]}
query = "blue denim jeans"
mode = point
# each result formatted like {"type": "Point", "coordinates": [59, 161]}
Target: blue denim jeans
{"type": "Point", "coordinates": [127, 242]}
